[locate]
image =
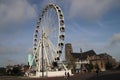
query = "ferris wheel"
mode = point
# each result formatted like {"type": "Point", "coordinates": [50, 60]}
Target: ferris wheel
{"type": "Point", "coordinates": [48, 40]}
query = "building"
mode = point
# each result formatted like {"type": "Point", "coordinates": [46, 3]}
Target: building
{"type": "Point", "coordinates": [88, 60]}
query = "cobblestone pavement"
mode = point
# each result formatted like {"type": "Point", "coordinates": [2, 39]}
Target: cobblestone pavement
{"type": "Point", "coordinates": [75, 77]}
{"type": "Point", "coordinates": [108, 75]}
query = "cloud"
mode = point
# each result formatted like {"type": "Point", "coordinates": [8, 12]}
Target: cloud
{"type": "Point", "coordinates": [92, 9]}
{"type": "Point", "coordinates": [15, 18]}
{"type": "Point", "coordinates": [113, 46]}
{"type": "Point", "coordinates": [29, 51]}
{"type": "Point", "coordinates": [16, 11]}
{"type": "Point", "coordinates": [115, 39]}
{"type": "Point", "coordinates": [15, 52]}
{"type": "Point", "coordinates": [11, 49]}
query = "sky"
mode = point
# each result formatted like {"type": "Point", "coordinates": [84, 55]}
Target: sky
{"type": "Point", "coordinates": [89, 24]}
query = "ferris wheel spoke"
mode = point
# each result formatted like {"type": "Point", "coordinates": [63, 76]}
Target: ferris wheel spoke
{"type": "Point", "coordinates": [52, 26]}
{"type": "Point", "coordinates": [46, 57]}
{"type": "Point", "coordinates": [52, 48]}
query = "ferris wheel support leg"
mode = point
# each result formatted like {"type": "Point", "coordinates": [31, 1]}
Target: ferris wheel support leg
{"type": "Point", "coordinates": [46, 55]}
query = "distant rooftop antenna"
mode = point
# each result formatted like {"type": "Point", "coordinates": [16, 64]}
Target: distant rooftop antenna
{"type": "Point", "coordinates": [80, 50]}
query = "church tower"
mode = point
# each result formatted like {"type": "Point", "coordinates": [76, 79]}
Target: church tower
{"type": "Point", "coordinates": [68, 51]}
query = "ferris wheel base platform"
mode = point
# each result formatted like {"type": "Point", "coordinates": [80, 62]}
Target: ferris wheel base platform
{"type": "Point", "coordinates": [52, 74]}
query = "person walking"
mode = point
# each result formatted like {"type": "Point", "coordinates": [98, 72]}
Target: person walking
{"type": "Point", "coordinates": [97, 71]}
{"type": "Point", "coordinates": [68, 75]}
{"type": "Point", "coordinates": [65, 74]}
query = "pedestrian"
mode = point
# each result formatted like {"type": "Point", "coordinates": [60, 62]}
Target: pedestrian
{"type": "Point", "coordinates": [65, 74]}
{"type": "Point", "coordinates": [68, 75]}
{"type": "Point", "coordinates": [97, 71]}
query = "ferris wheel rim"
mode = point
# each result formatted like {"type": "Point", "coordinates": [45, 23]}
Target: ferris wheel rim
{"type": "Point", "coordinates": [61, 25]}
